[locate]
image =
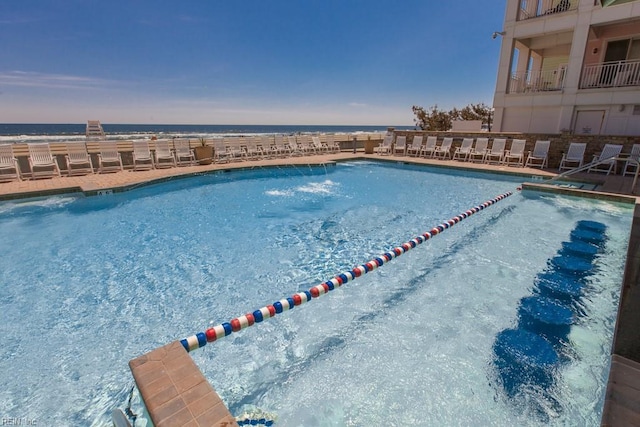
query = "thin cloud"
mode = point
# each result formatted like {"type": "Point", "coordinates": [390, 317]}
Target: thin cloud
{"type": "Point", "coordinates": [358, 104]}
{"type": "Point", "coordinates": [50, 81]}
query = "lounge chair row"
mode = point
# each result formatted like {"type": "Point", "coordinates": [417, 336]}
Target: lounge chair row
{"type": "Point", "coordinates": [165, 153]}
{"type": "Point", "coordinates": [470, 150]}
{"type": "Point", "coordinates": [478, 151]}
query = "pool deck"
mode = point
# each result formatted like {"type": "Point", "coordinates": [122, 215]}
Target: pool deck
{"type": "Point", "coordinates": [176, 393]}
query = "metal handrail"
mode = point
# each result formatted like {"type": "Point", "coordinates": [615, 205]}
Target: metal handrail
{"type": "Point", "coordinates": [599, 162]}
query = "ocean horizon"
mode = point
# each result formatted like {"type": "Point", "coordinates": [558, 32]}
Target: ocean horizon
{"type": "Point", "coordinates": [59, 132]}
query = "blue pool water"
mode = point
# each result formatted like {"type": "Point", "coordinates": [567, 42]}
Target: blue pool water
{"type": "Point", "coordinates": [90, 283]}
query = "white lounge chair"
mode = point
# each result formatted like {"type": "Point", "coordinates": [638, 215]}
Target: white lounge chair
{"type": "Point", "coordinates": [385, 146]}
{"type": "Point", "coordinates": [443, 150]}
{"type": "Point", "coordinates": [574, 157]}
{"type": "Point", "coordinates": [496, 152]}
{"type": "Point", "coordinates": [318, 146]}
{"type": "Point", "coordinates": [78, 159]}
{"type": "Point", "coordinates": [479, 150]}
{"type": "Point", "coordinates": [142, 158]}
{"type": "Point", "coordinates": [605, 161]}
{"type": "Point", "coordinates": [164, 156]}
{"type": "Point", "coordinates": [333, 146]}
{"type": "Point", "coordinates": [631, 164]}
{"type": "Point", "coordinates": [292, 144]}
{"type": "Point", "coordinates": [416, 146]}
{"type": "Point", "coordinates": [400, 145]}
{"type": "Point", "coordinates": [184, 154]}
{"type": "Point", "coordinates": [220, 153]}
{"type": "Point", "coordinates": [462, 152]}
{"type": "Point", "coordinates": [429, 147]}
{"type": "Point", "coordinates": [250, 148]}
{"type": "Point", "coordinates": [9, 169]}
{"type": "Point", "coordinates": [306, 145]}
{"type": "Point", "coordinates": [40, 158]}
{"type": "Point", "coordinates": [538, 158]}
{"type": "Point", "coordinates": [515, 155]}
{"type": "Point", "coordinates": [109, 158]}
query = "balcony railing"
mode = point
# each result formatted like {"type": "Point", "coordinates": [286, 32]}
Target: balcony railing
{"type": "Point", "coordinates": [537, 81]}
{"type": "Point", "coordinates": [533, 9]}
{"type": "Point", "coordinates": [611, 74]}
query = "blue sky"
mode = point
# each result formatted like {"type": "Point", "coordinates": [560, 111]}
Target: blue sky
{"type": "Point", "coordinates": [251, 62]}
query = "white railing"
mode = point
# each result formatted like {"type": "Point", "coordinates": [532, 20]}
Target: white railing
{"type": "Point", "coordinates": [534, 8]}
{"type": "Point", "coordinates": [611, 74]}
{"type": "Point", "coordinates": [537, 81]}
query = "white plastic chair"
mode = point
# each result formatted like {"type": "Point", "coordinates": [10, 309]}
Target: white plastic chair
{"type": "Point", "coordinates": [78, 159]}
{"type": "Point", "coordinates": [385, 146]}
{"type": "Point", "coordinates": [479, 150]}
{"type": "Point", "coordinates": [538, 157]}
{"type": "Point", "coordinates": [605, 161]}
{"type": "Point", "coordinates": [496, 152]}
{"type": "Point", "coordinates": [9, 169]}
{"type": "Point", "coordinates": [416, 146]}
{"type": "Point", "coordinates": [40, 157]}
{"type": "Point", "coordinates": [574, 157]}
{"type": "Point", "coordinates": [220, 153]}
{"type": "Point", "coordinates": [317, 145]}
{"type": "Point", "coordinates": [429, 147]}
{"type": "Point", "coordinates": [443, 150]}
{"type": "Point", "coordinates": [164, 156]}
{"type": "Point", "coordinates": [515, 155]}
{"type": "Point", "coordinates": [462, 152]}
{"type": "Point", "coordinates": [401, 145]}
{"type": "Point", "coordinates": [109, 158]}
{"type": "Point", "coordinates": [631, 164]}
{"type": "Point", "coordinates": [184, 154]}
{"type": "Point", "coordinates": [142, 159]}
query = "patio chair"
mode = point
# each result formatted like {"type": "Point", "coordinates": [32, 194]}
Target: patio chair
{"type": "Point", "coordinates": [385, 146]}
{"type": "Point", "coordinates": [515, 155]}
{"type": "Point", "coordinates": [163, 154]}
{"type": "Point", "coordinates": [142, 159]}
{"type": "Point", "coordinates": [400, 145]}
{"type": "Point", "coordinates": [606, 160]}
{"type": "Point", "coordinates": [184, 154]}
{"type": "Point", "coordinates": [306, 145]}
{"type": "Point", "coordinates": [444, 149]}
{"type": "Point", "coordinates": [631, 164]}
{"type": "Point", "coordinates": [293, 147]}
{"type": "Point", "coordinates": [220, 153]}
{"type": "Point", "coordinates": [40, 158]}
{"type": "Point", "coordinates": [250, 149]}
{"type": "Point", "coordinates": [574, 157]}
{"type": "Point", "coordinates": [281, 146]}
{"type": "Point", "coordinates": [429, 147]}
{"type": "Point", "coordinates": [538, 158]}
{"type": "Point", "coordinates": [78, 159]}
{"type": "Point", "coordinates": [462, 152]}
{"type": "Point", "coordinates": [317, 145]}
{"type": "Point", "coordinates": [479, 150]}
{"type": "Point", "coordinates": [9, 169]}
{"type": "Point", "coordinates": [333, 146]}
{"type": "Point", "coordinates": [496, 152]}
{"type": "Point", "coordinates": [416, 146]}
{"type": "Point", "coordinates": [109, 159]}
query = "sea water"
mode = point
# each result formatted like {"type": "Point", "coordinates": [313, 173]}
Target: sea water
{"type": "Point", "coordinates": [90, 283]}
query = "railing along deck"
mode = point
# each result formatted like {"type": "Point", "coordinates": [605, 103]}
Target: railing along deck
{"type": "Point", "coordinates": [533, 9]}
{"type": "Point", "coordinates": [537, 81]}
{"type": "Point", "coordinates": [611, 74]}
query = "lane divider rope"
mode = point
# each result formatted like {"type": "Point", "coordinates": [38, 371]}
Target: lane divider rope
{"type": "Point", "coordinates": [234, 325]}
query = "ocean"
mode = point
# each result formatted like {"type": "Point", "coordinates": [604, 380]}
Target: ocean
{"type": "Point", "coordinates": [42, 132]}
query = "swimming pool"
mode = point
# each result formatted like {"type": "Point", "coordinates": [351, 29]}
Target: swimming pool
{"type": "Point", "coordinates": [90, 283]}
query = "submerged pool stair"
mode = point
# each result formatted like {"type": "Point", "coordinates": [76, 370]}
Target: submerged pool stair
{"type": "Point", "coordinates": [530, 354]}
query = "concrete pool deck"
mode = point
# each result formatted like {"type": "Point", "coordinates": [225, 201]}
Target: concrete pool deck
{"type": "Point", "coordinates": [172, 386]}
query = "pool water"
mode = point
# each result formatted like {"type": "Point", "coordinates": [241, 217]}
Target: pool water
{"type": "Point", "coordinates": [90, 283]}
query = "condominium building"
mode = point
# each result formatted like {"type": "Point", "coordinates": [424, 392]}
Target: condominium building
{"type": "Point", "coordinates": [569, 66]}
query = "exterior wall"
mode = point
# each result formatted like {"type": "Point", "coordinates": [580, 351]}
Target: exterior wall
{"type": "Point", "coordinates": [558, 111]}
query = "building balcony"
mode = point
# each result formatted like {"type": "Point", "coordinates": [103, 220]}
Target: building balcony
{"type": "Point", "coordinates": [535, 8]}
{"type": "Point", "coordinates": [537, 81]}
{"type": "Point", "coordinates": [611, 74]}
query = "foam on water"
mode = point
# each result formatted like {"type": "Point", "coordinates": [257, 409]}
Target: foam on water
{"type": "Point", "coordinates": [91, 283]}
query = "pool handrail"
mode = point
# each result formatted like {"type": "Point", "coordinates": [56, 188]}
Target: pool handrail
{"type": "Point", "coordinates": [598, 162]}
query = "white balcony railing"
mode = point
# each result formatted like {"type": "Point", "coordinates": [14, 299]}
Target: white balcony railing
{"type": "Point", "coordinates": [611, 74]}
{"type": "Point", "coordinates": [537, 81]}
{"type": "Point", "coordinates": [534, 8]}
